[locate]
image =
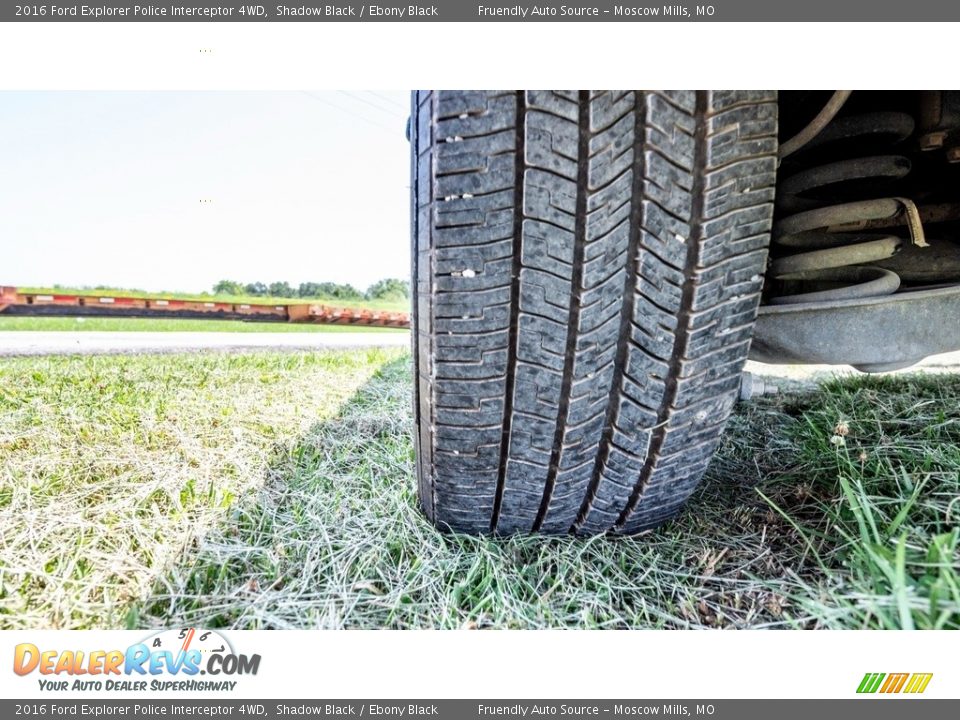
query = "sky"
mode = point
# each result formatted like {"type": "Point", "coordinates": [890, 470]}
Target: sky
{"type": "Point", "coordinates": [175, 191]}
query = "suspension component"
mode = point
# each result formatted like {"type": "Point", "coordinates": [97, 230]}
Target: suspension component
{"type": "Point", "coordinates": [865, 254]}
{"type": "Point", "coordinates": [822, 250]}
{"type": "Point", "coordinates": [815, 126]}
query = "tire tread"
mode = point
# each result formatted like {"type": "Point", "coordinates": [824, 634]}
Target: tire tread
{"type": "Point", "coordinates": [587, 271]}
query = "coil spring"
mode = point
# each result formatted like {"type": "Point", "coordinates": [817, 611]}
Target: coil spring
{"type": "Point", "coordinates": [823, 252]}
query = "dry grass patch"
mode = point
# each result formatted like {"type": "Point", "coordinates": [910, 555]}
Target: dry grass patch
{"type": "Point", "coordinates": [111, 468]}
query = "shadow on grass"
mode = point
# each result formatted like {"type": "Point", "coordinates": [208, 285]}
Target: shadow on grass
{"type": "Point", "coordinates": [835, 508]}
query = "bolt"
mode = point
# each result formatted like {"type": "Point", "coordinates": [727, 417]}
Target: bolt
{"type": "Point", "coordinates": [752, 386]}
{"type": "Point", "coordinates": [932, 140]}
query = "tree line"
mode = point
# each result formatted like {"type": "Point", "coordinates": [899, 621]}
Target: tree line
{"type": "Point", "coordinates": [386, 289]}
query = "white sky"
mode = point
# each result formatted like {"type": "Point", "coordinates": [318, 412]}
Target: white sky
{"type": "Point", "coordinates": [106, 188]}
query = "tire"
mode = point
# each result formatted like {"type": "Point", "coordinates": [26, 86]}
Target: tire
{"type": "Point", "coordinates": [587, 269]}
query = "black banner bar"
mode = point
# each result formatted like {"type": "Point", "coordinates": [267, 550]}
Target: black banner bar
{"type": "Point", "coordinates": [872, 708]}
{"type": "Point", "coordinates": [481, 11]}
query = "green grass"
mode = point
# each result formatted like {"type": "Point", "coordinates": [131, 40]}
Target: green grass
{"type": "Point", "coordinates": [89, 324]}
{"type": "Point", "coordinates": [122, 503]}
{"type": "Point", "coordinates": [392, 305]}
{"type": "Point", "coordinates": [112, 468]}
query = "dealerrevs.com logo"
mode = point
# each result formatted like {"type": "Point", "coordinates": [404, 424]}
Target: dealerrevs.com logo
{"type": "Point", "coordinates": [170, 660]}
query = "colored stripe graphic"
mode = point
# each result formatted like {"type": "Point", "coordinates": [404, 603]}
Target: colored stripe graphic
{"type": "Point", "coordinates": [918, 682]}
{"type": "Point", "coordinates": [870, 682]}
{"type": "Point", "coordinates": [894, 683]}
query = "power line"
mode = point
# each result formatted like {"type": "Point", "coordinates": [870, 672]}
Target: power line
{"type": "Point", "coordinates": [354, 113]}
{"type": "Point", "coordinates": [393, 102]}
{"type": "Point", "coordinates": [392, 113]}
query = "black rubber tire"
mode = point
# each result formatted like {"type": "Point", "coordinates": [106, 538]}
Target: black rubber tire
{"type": "Point", "coordinates": [587, 269]}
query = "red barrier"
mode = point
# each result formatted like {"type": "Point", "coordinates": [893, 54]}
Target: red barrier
{"type": "Point", "coordinates": [162, 307]}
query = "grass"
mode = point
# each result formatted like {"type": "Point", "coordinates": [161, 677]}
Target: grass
{"type": "Point", "coordinates": [110, 324]}
{"type": "Point", "coordinates": [392, 305]}
{"type": "Point", "coordinates": [112, 467]}
{"type": "Point", "coordinates": [835, 508]}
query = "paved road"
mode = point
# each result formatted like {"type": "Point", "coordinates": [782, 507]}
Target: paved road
{"type": "Point", "coordinates": [105, 343]}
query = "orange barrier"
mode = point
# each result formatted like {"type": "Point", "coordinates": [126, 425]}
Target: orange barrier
{"type": "Point", "coordinates": [14, 302]}
{"type": "Point", "coordinates": [8, 296]}
{"type": "Point", "coordinates": [346, 316]}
